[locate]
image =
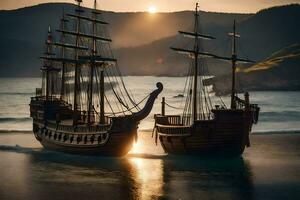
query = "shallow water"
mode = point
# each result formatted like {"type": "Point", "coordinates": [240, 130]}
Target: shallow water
{"type": "Point", "coordinates": [268, 170]}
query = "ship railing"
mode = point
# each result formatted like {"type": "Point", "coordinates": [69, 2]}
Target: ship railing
{"type": "Point", "coordinates": [82, 118]}
{"type": "Point", "coordinates": [171, 125]}
{"type": "Point", "coordinates": [173, 130]}
{"type": "Point", "coordinates": [82, 129]}
{"type": "Point", "coordinates": [245, 105]}
{"type": "Point", "coordinates": [95, 128]}
{"type": "Point", "coordinates": [44, 98]}
{"type": "Point", "coordinates": [242, 104]}
{"type": "Point", "coordinates": [168, 120]}
{"type": "Point", "coordinates": [239, 103]}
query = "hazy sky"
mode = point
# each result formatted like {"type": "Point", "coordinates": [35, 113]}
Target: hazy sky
{"type": "Point", "coordinates": [163, 5]}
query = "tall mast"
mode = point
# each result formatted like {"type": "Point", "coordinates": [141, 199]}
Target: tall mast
{"type": "Point", "coordinates": [102, 90]}
{"type": "Point", "coordinates": [102, 114]}
{"type": "Point", "coordinates": [102, 111]}
{"type": "Point", "coordinates": [195, 52]}
{"type": "Point", "coordinates": [47, 63]}
{"type": "Point", "coordinates": [76, 55]}
{"type": "Point", "coordinates": [196, 48]}
{"type": "Point", "coordinates": [62, 91]}
{"type": "Point", "coordinates": [94, 52]}
{"type": "Point", "coordinates": [234, 59]}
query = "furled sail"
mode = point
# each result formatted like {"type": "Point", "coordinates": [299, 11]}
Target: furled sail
{"type": "Point", "coordinates": [192, 52]}
{"type": "Point", "coordinates": [196, 35]}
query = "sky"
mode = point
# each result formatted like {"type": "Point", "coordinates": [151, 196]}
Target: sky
{"type": "Point", "coordinates": [235, 6]}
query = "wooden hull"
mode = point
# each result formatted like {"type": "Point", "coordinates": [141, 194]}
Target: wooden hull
{"type": "Point", "coordinates": [105, 143]}
{"type": "Point", "coordinates": [227, 134]}
{"type": "Point", "coordinates": [60, 128]}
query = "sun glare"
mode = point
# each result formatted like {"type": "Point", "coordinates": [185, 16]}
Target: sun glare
{"type": "Point", "coordinates": [152, 9]}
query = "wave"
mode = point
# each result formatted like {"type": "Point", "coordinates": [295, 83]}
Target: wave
{"type": "Point", "coordinates": [17, 93]}
{"type": "Point", "coordinates": [25, 131]}
{"type": "Point", "coordinates": [271, 132]}
{"type": "Point", "coordinates": [19, 149]}
{"type": "Point", "coordinates": [279, 116]}
{"type": "Point", "coordinates": [15, 119]}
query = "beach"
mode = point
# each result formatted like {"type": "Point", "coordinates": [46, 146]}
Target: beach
{"type": "Point", "coordinates": [270, 169]}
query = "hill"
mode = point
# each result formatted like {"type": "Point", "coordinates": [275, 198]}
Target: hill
{"type": "Point", "coordinates": [262, 34]}
{"type": "Point", "coordinates": [24, 30]}
{"type": "Point", "coordinates": [280, 71]}
{"type": "Point", "coordinates": [141, 41]}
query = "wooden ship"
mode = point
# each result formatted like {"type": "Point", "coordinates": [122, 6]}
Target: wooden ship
{"type": "Point", "coordinates": [83, 106]}
{"type": "Point", "coordinates": [205, 127]}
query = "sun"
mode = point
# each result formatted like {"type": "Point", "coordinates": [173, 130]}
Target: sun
{"type": "Point", "coordinates": [152, 9]}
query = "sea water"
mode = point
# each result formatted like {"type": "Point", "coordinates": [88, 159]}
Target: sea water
{"type": "Point", "coordinates": [270, 169]}
{"type": "Point", "coordinates": [280, 111]}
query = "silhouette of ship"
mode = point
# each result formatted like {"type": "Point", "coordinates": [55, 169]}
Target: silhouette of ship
{"type": "Point", "coordinates": [205, 127]}
{"type": "Point", "coordinates": [83, 106]}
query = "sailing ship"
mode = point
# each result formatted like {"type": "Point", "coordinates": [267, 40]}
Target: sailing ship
{"type": "Point", "coordinates": [205, 127]}
{"type": "Point", "coordinates": [83, 106]}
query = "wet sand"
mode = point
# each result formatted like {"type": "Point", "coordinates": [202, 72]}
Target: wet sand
{"type": "Point", "coordinates": [270, 169]}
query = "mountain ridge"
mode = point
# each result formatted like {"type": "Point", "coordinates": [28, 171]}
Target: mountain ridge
{"type": "Point", "coordinates": [143, 40]}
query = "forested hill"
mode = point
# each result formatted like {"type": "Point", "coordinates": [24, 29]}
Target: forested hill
{"type": "Point", "coordinates": [141, 41]}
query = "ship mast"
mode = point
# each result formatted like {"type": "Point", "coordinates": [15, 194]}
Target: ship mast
{"type": "Point", "coordinates": [233, 59]}
{"type": "Point", "coordinates": [81, 56]}
{"type": "Point", "coordinates": [93, 59]}
{"type": "Point", "coordinates": [196, 53]}
{"type": "Point", "coordinates": [63, 38]}
{"type": "Point", "coordinates": [196, 49]}
{"type": "Point", "coordinates": [76, 84]}
{"type": "Point", "coordinates": [47, 64]}
{"type": "Point", "coordinates": [94, 51]}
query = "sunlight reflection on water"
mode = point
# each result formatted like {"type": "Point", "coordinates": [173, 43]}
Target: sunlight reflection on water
{"type": "Point", "coordinates": [149, 177]}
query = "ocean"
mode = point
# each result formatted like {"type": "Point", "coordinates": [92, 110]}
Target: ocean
{"type": "Point", "coordinates": [280, 111]}
{"type": "Point", "coordinates": [270, 169]}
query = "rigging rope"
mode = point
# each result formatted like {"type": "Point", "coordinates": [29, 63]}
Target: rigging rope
{"type": "Point", "coordinates": [178, 108]}
{"type": "Point", "coordinates": [134, 105]}
{"type": "Point", "coordinates": [117, 96]}
{"type": "Point", "coordinates": [110, 105]}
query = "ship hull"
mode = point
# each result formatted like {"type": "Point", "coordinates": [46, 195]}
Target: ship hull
{"type": "Point", "coordinates": [110, 143]}
{"type": "Point", "coordinates": [57, 127]}
{"type": "Point", "coordinates": [227, 134]}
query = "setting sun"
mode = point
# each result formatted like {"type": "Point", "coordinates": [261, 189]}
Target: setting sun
{"type": "Point", "coordinates": [152, 9]}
